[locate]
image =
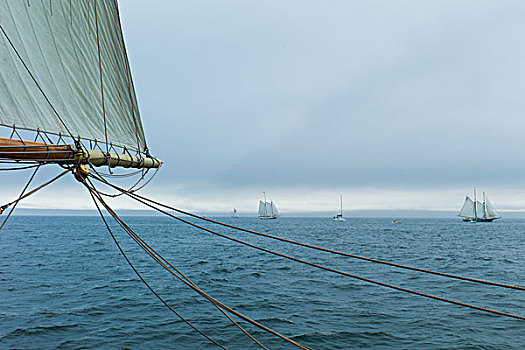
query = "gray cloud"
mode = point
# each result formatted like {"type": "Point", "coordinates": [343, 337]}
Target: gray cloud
{"type": "Point", "coordinates": [331, 94]}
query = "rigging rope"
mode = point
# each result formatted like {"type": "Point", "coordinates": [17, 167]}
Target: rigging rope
{"type": "Point", "coordinates": [144, 281]}
{"type": "Point", "coordinates": [102, 84]}
{"type": "Point", "coordinates": [378, 261]}
{"type": "Point", "coordinates": [157, 257]}
{"type": "Point", "coordinates": [17, 200]}
{"type": "Point", "coordinates": [496, 312]}
{"type": "Point", "coordinates": [35, 81]}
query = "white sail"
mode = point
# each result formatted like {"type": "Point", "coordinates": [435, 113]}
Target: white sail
{"type": "Point", "coordinates": [262, 209]}
{"type": "Point", "coordinates": [274, 211]}
{"type": "Point", "coordinates": [491, 212]}
{"type": "Point", "coordinates": [467, 210]}
{"type": "Point", "coordinates": [480, 209]}
{"type": "Point", "coordinates": [57, 40]}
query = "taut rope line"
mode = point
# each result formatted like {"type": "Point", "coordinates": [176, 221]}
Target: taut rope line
{"type": "Point", "coordinates": [18, 199]}
{"type": "Point", "coordinates": [155, 255]}
{"type": "Point", "coordinates": [378, 261]}
{"type": "Point", "coordinates": [496, 312]}
{"type": "Point", "coordinates": [144, 281]}
{"type": "Point", "coordinates": [22, 195]}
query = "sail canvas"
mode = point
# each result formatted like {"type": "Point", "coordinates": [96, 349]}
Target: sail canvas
{"type": "Point", "coordinates": [53, 74]}
{"type": "Point", "coordinates": [467, 210]}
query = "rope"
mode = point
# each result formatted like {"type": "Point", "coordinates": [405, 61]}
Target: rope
{"type": "Point", "coordinates": [20, 168]}
{"type": "Point", "coordinates": [496, 312]}
{"type": "Point", "coordinates": [184, 279]}
{"type": "Point", "coordinates": [38, 188]}
{"type": "Point", "coordinates": [19, 198]}
{"type": "Point", "coordinates": [144, 281]}
{"type": "Point", "coordinates": [443, 274]}
{"type": "Point", "coordinates": [36, 82]}
{"type": "Point", "coordinates": [101, 83]}
{"type": "Point", "coordinates": [155, 255]}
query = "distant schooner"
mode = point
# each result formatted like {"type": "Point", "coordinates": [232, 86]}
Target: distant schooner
{"type": "Point", "coordinates": [476, 211]}
{"type": "Point", "coordinates": [267, 210]}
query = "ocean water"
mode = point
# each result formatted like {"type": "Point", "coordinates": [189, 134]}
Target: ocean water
{"type": "Point", "coordinates": [64, 285]}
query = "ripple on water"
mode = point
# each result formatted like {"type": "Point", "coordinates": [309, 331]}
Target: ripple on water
{"type": "Point", "coordinates": [56, 297]}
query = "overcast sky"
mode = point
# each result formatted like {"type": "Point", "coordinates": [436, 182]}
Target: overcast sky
{"type": "Point", "coordinates": [395, 104]}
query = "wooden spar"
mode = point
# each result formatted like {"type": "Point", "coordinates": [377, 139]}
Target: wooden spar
{"type": "Point", "coordinates": [66, 154]}
{"type": "Point", "coordinates": [29, 150]}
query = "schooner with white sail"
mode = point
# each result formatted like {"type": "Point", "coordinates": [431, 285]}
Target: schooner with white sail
{"type": "Point", "coordinates": [65, 80]}
{"type": "Point", "coordinates": [267, 210]}
{"type": "Point", "coordinates": [476, 211]}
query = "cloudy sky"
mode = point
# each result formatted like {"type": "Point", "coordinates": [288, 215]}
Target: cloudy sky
{"type": "Point", "coordinates": [394, 104]}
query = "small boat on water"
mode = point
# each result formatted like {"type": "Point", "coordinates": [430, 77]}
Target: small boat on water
{"type": "Point", "coordinates": [235, 214]}
{"type": "Point", "coordinates": [476, 211]}
{"type": "Point", "coordinates": [267, 210]}
{"type": "Point", "coordinates": [339, 217]}
{"type": "Point", "coordinates": [396, 221]}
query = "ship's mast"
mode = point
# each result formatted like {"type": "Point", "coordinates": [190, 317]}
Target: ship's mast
{"type": "Point", "coordinates": [341, 196]}
{"type": "Point", "coordinates": [475, 206]}
{"type": "Point", "coordinates": [484, 206]}
{"type": "Point", "coordinates": [265, 208]}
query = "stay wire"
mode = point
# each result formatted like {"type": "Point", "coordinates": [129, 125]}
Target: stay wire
{"type": "Point", "coordinates": [378, 261]}
{"type": "Point", "coordinates": [39, 187]}
{"type": "Point", "coordinates": [20, 168]}
{"type": "Point", "coordinates": [205, 295]}
{"type": "Point", "coordinates": [144, 281]}
{"type": "Point", "coordinates": [496, 312]}
{"type": "Point", "coordinates": [19, 197]}
{"type": "Point", "coordinates": [156, 256]}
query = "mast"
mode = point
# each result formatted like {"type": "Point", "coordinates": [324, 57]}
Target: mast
{"type": "Point", "coordinates": [475, 205]}
{"type": "Point", "coordinates": [265, 205]}
{"type": "Point", "coordinates": [341, 196]}
{"type": "Point", "coordinates": [484, 206]}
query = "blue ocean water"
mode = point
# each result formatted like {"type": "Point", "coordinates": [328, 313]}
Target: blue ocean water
{"type": "Point", "coordinates": [64, 285]}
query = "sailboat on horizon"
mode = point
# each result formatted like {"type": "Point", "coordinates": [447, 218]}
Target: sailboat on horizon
{"type": "Point", "coordinates": [267, 210]}
{"type": "Point", "coordinates": [476, 211]}
{"type": "Point", "coordinates": [235, 214]}
{"type": "Point", "coordinates": [339, 217]}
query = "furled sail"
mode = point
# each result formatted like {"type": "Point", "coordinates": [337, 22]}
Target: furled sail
{"type": "Point", "coordinates": [467, 210]}
{"type": "Point", "coordinates": [74, 52]}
